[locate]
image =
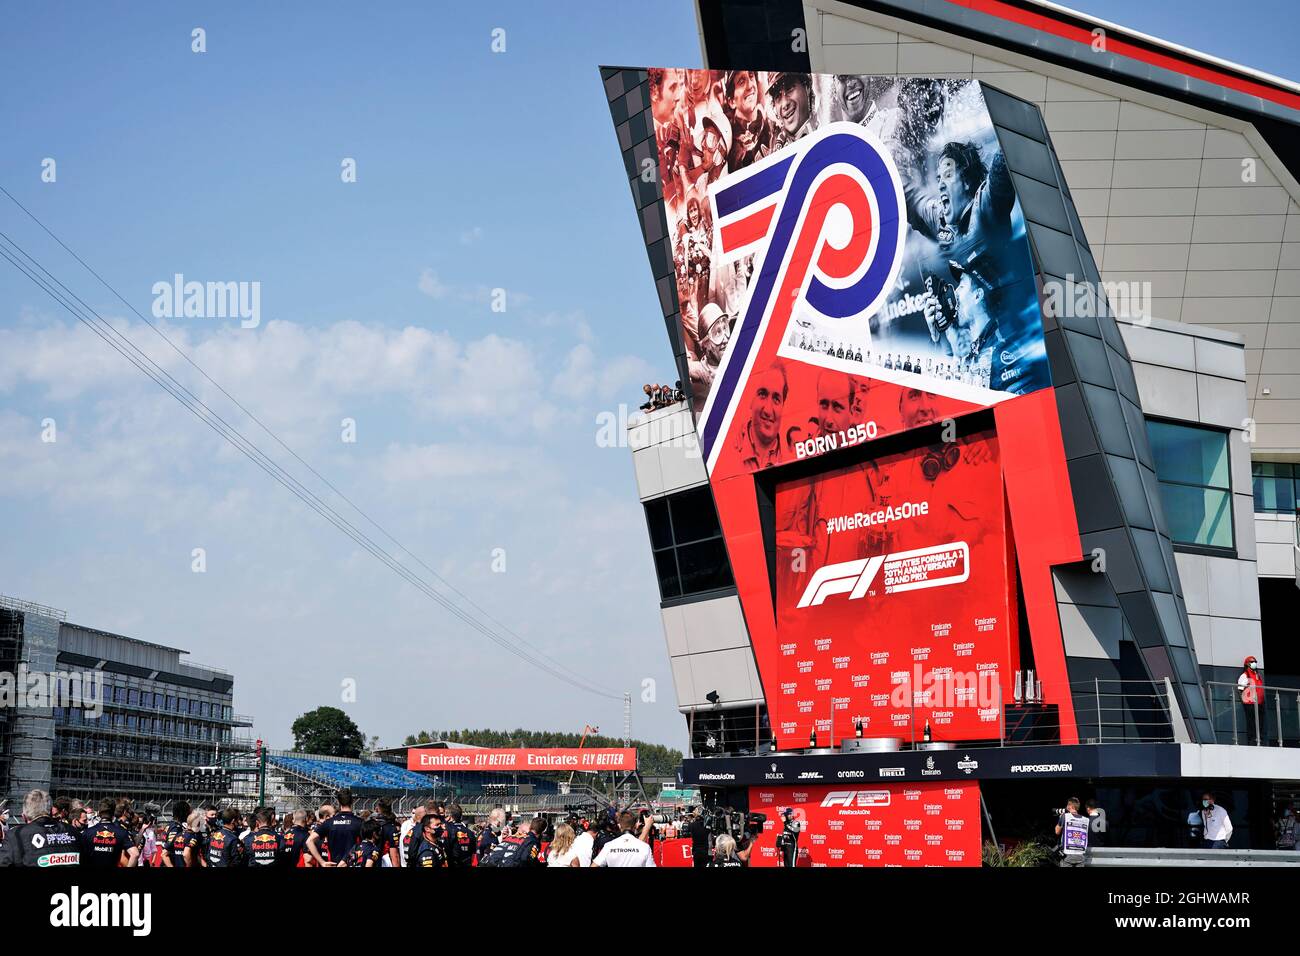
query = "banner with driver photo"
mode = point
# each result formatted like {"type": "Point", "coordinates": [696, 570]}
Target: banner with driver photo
{"type": "Point", "coordinates": [871, 219]}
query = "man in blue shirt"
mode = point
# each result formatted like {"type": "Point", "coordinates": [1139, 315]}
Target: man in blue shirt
{"type": "Point", "coordinates": [339, 834]}
{"type": "Point", "coordinates": [106, 843]}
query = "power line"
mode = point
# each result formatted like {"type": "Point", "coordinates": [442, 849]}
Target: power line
{"type": "Point", "coordinates": [165, 381]}
{"type": "Point", "coordinates": [260, 424]}
{"type": "Point", "coordinates": [204, 413]}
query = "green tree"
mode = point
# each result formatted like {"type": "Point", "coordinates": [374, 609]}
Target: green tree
{"type": "Point", "coordinates": [327, 731]}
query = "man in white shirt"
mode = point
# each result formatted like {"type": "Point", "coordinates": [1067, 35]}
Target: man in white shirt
{"type": "Point", "coordinates": [1217, 826]}
{"type": "Point", "coordinates": [404, 834]}
{"type": "Point", "coordinates": [583, 845]}
{"type": "Point", "coordinates": [626, 849]}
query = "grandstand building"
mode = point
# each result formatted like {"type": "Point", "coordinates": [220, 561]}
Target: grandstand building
{"type": "Point", "coordinates": [122, 716]}
{"type": "Point", "coordinates": [1150, 522]}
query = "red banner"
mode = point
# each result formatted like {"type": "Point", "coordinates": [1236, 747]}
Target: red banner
{"type": "Point", "coordinates": [894, 598]}
{"type": "Point", "coordinates": [674, 853]}
{"type": "Point", "coordinates": [914, 824]}
{"type": "Point", "coordinates": [534, 760]}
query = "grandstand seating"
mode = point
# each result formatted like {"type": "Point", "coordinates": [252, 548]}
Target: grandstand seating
{"type": "Point", "coordinates": [372, 775]}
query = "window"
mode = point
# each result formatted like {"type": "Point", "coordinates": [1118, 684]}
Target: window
{"type": "Point", "coordinates": [1274, 484]}
{"type": "Point", "coordinates": [1195, 487]}
{"type": "Point", "coordinates": [689, 555]}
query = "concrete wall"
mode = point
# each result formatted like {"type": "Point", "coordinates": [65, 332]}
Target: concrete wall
{"type": "Point", "coordinates": [1275, 544]}
{"type": "Point", "coordinates": [708, 644]}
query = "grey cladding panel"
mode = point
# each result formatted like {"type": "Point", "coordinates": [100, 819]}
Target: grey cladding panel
{"type": "Point", "coordinates": [1094, 499]}
{"type": "Point", "coordinates": [1027, 156]}
{"type": "Point", "coordinates": [1076, 429]}
{"type": "Point", "coordinates": [1041, 203]}
{"type": "Point", "coordinates": [1108, 420]}
{"type": "Point", "coordinates": [1013, 113]}
{"type": "Point", "coordinates": [1132, 496]}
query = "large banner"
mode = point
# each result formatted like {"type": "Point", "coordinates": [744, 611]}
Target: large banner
{"type": "Point", "coordinates": [861, 226]}
{"type": "Point", "coordinates": [915, 824]}
{"type": "Point", "coordinates": [894, 598]}
{"type": "Point", "coordinates": [534, 760]}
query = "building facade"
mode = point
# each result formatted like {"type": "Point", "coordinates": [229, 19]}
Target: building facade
{"type": "Point", "coordinates": [1154, 552]}
{"type": "Point", "coordinates": [122, 717]}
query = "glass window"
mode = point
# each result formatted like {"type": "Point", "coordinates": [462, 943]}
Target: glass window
{"type": "Point", "coordinates": [661, 529]}
{"type": "Point", "coordinates": [694, 516]}
{"type": "Point", "coordinates": [689, 554]}
{"type": "Point", "coordinates": [1195, 488]}
{"type": "Point", "coordinates": [1274, 486]}
{"type": "Point", "coordinates": [703, 566]}
{"type": "Point", "coordinates": [670, 583]}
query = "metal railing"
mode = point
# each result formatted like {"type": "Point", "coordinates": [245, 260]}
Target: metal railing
{"type": "Point", "coordinates": [1104, 711]}
{"type": "Point", "coordinates": [1273, 722]}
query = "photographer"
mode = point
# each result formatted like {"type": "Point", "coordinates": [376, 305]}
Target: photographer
{"type": "Point", "coordinates": [1073, 828]}
{"type": "Point", "coordinates": [646, 830]}
{"type": "Point", "coordinates": [698, 831]}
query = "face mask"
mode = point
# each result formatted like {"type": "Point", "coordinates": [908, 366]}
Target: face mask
{"type": "Point", "coordinates": [1254, 666]}
{"type": "Point", "coordinates": [1206, 804]}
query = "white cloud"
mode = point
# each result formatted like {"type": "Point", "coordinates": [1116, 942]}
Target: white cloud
{"type": "Point", "coordinates": [584, 374]}
{"type": "Point", "coordinates": [422, 463]}
{"type": "Point", "coordinates": [430, 285]}
{"type": "Point", "coordinates": [471, 236]}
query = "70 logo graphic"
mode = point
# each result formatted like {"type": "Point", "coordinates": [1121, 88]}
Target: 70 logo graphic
{"type": "Point", "coordinates": [826, 217]}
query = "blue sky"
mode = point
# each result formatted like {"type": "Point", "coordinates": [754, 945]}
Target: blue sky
{"type": "Point", "coordinates": [476, 429]}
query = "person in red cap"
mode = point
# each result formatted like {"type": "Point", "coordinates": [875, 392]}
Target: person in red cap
{"type": "Point", "coordinates": [1250, 686]}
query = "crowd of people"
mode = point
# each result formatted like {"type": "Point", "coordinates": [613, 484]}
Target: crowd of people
{"type": "Point", "coordinates": [661, 396]}
{"type": "Point", "coordinates": [971, 372]}
{"type": "Point", "coordinates": [435, 835]}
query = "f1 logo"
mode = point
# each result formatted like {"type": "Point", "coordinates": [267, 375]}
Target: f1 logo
{"type": "Point", "coordinates": [853, 577]}
{"type": "Point", "coordinates": [858, 798]}
{"type": "Point", "coordinates": [931, 567]}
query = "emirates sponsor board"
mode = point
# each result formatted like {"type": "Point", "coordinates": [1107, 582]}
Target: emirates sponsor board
{"type": "Point", "coordinates": [576, 758]}
{"type": "Point", "coordinates": [916, 824]}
